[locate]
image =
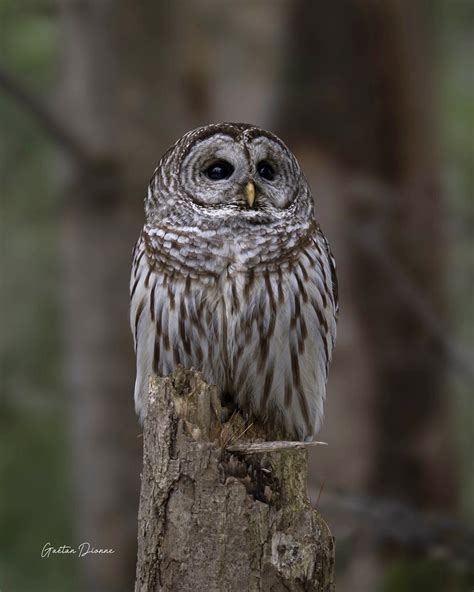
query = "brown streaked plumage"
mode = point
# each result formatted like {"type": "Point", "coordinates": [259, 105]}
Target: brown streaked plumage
{"type": "Point", "coordinates": [232, 275]}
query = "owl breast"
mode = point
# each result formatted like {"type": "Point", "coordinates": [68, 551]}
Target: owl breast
{"type": "Point", "coordinates": [262, 333]}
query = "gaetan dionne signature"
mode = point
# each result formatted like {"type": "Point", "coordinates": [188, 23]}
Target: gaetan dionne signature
{"type": "Point", "coordinates": [81, 550]}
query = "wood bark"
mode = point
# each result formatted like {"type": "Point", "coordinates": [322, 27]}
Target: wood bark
{"type": "Point", "coordinates": [215, 520]}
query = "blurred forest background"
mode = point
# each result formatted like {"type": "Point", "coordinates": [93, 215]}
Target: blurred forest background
{"type": "Point", "coordinates": [377, 101]}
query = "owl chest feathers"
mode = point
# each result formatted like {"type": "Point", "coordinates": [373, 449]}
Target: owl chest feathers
{"type": "Point", "coordinates": [261, 330]}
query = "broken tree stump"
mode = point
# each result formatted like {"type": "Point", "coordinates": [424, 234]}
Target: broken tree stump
{"type": "Point", "coordinates": [216, 515]}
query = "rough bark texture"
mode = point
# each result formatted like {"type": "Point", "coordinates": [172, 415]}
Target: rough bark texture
{"type": "Point", "coordinates": [214, 520]}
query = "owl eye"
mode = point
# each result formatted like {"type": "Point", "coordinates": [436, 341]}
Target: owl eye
{"type": "Point", "coordinates": [265, 170]}
{"type": "Point", "coordinates": [219, 170]}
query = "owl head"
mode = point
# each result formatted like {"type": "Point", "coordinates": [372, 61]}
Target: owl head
{"type": "Point", "coordinates": [232, 171]}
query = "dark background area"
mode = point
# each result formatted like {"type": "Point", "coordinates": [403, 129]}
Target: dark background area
{"type": "Point", "coordinates": [376, 99]}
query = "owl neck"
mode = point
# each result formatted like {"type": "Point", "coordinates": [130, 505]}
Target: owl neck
{"type": "Point", "coordinates": [209, 249]}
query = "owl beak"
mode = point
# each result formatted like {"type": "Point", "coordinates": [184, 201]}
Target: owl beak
{"type": "Point", "coordinates": [250, 193]}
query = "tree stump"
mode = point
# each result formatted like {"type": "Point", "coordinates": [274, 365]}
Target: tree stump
{"type": "Point", "coordinates": [217, 515]}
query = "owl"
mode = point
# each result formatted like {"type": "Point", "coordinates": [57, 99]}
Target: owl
{"type": "Point", "coordinates": [233, 276]}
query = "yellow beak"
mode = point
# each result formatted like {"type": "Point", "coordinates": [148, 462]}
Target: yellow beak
{"type": "Point", "coordinates": [250, 193]}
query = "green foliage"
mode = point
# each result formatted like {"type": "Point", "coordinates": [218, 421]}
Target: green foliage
{"type": "Point", "coordinates": [35, 503]}
{"type": "Point", "coordinates": [35, 496]}
{"type": "Point", "coordinates": [29, 39]}
{"type": "Point", "coordinates": [423, 575]}
{"type": "Point", "coordinates": [455, 104]}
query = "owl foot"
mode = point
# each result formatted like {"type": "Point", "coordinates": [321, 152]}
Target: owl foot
{"type": "Point", "coordinates": [227, 411]}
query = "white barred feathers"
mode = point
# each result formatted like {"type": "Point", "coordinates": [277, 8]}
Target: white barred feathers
{"type": "Point", "coordinates": [233, 276]}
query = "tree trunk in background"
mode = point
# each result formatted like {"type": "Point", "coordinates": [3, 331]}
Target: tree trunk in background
{"type": "Point", "coordinates": [358, 113]}
{"type": "Point", "coordinates": [101, 219]}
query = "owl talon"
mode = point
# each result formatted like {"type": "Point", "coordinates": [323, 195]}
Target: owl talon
{"type": "Point", "coordinates": [227, 411]}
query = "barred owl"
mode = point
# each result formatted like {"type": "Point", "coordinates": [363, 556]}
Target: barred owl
{"type": "Point", "coordinates": [233, 276]}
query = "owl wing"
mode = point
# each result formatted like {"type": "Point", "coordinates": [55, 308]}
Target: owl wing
{"type": "Point", "coordinates": [332, 270]}
{"type": "Point", "coordinates": [312, 293]}
{"type": "Point", "coordinates": [171, 320]}
{"type": "Point", "coordinates": [285, 335]}
{"type": "Point", "coordinates": [142, 295]}
{"type": "Point", "coordinates": [312, 332]}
